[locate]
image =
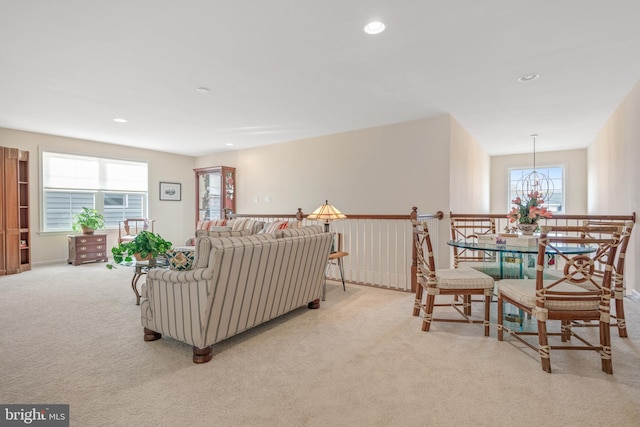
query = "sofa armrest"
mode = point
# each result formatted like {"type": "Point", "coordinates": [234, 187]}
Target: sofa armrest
{"type": "Point", "coordinates": [193, 275]}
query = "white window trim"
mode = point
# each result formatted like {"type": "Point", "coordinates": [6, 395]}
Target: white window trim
{"type": "Point", "coordinates": [562, 166]}
{"type": "Point", "coordinates": [59, 150]}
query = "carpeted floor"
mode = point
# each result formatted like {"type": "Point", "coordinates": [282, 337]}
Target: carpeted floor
{"type": "Point", "coordinates": [73, 335]}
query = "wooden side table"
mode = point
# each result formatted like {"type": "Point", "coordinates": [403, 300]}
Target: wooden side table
{"type": "Point", "coordinates": [87, 248]}
{"type": "Point", "coordinates": [337, 257]}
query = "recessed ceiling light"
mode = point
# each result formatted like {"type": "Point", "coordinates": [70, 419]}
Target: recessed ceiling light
{"type": "Point", "coordinates": [203, 89]}
{"type": "Point", "coordinates": [119, 120]}
{"type": "Point", "coordinates": [528, 77]}
{"type": "Point", "coordinates": [374, 27]}
{"type": "Point", "coordinates": [228, 144]}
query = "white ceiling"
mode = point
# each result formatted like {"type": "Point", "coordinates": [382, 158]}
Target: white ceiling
{"type": "Point", "coordinates": [283, 70]}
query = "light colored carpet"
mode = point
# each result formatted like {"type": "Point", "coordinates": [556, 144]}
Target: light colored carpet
{"type": "Point", "coordinates": [73, 335]}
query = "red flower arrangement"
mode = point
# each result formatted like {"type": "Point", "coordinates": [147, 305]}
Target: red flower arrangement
{"type": "Point", "coordinates": [528, 211]}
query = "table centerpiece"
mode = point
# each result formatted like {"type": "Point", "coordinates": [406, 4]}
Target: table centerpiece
{"type": "Point", "coordinates": [527, 213]}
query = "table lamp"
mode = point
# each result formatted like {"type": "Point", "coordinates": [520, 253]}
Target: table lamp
{"type": "Point", "coordinates": [326, 213]}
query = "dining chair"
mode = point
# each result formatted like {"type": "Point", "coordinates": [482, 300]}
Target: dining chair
{"type": "Point", "coordinates": [468, 229]}
{"type": "Point", "coordinates": [579, 294]}
{"type": "Point", "coordinates": [617, 278]}
{"type": "Point", "coordinates": [434, 282]}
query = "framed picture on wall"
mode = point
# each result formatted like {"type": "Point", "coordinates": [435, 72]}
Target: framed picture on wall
{"type": "Point", "coordinates": [170, 191]}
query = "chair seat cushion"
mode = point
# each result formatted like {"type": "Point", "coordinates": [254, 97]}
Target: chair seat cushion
{"type": "Point", "coordinates": [463, 278]}
{"type": "Point", "coordinates": [552, 274]}
{"type": "Point", "coordinates": [497, 271]}
{"type": "Point", "coordinates": [524, 292]}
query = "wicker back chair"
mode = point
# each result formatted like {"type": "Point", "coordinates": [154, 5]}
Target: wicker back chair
{"type": "Point", "coordinates": [580, 293]}
{"type": "Point", "coordinates": [463, 281]}
{"type": "Point", "coordinates": [617, 279]}
{"type": "Point", "coordinates": [468, 229]}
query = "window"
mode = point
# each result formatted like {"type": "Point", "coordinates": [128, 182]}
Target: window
{"type": "Point", "coordinates": [117, 188]}
{"type": "Point", "coordinates": [556, 178]}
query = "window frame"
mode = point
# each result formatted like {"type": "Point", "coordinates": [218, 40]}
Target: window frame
{"type": "Point", "coordinates": [99, 194]}
{"type": "Point", "coordinates": [540, 168]}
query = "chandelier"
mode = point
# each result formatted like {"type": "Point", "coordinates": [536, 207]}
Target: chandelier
{"type": "Point", "coordinates": [535, 181]}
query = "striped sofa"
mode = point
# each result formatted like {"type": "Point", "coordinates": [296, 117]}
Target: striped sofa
{"type": "Point", "coordinates": [236, 283]}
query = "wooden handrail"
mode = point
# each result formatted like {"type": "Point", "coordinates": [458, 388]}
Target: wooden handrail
{"type": "Point", "coordinates": [300, 215]}
{"type": "Point", "coordinates": [631, 217]}
{"type": "Point", "coordinates": [412, 217]}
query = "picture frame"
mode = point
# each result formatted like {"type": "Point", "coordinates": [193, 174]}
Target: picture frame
{"type": "Point", "coordinates": [171, 191]}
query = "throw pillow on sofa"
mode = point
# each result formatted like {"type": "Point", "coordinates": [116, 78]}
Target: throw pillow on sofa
{"type": "Point", "coordinates": [180, 259]}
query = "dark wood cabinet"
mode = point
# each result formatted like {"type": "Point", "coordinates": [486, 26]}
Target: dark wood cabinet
{"type": "Point", "coordinates": [215, 192]}
{"type": "Point", "coordinates": [87, 248]}
{"type": "Point", "coordinates": [15, 235]}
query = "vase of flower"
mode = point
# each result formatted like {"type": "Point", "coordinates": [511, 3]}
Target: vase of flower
{"type": "Point", "coordinates": [527, 212]}
{"type": "Point", "coordinates": [527, 229]}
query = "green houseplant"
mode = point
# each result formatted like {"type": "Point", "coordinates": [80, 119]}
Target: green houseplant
{"type": "Point", "coordinates": [88, 220]}
{"type": "Point", "coordinates": [146, 245]}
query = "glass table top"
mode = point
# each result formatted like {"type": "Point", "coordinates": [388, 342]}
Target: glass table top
{"type": "Point", "coordinates": [492, 247]}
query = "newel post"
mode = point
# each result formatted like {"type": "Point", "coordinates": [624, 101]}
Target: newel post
{"type": "Point", "coordinates": [414, 253]}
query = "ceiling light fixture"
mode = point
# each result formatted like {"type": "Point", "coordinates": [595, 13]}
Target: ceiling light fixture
{"type": "Point", "coordinates": [535, 182]}
{"type": "Point", "coordinates": [119, 120]}
{"type": "Point", "coordinates": [529, 77]}
{"type": "Point", "coordinates": [229, 144]}
{"type": "Point", "coordinates": [203, 89]}
{"type": "Point", "coordinates": [374, 27]}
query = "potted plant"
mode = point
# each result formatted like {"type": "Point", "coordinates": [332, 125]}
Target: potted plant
{"type": "Point", "coordinates": [145, 246]}
{"type": "Point", "coordinates": [88, 220]}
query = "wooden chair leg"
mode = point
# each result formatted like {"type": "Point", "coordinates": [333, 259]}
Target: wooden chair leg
{"type": "Point", "coordinates": [418, 300]}
{"type": "Point", "coordinates": [428, 312]}
{"type": "Point", "coordinates": [467, 304]}
{"type": "Point", "coordinates": [605, 342]}
{"type": "Point", "coordinates": [487, 312]}
{"type": "Point", "coordinates": [565, 330]}
{"type": "Point", "coordinates": [544, 349]}
{"type": "Point", "coordinates": [500, 318]}
{"type": "Point", "coordinates": [620, 321]}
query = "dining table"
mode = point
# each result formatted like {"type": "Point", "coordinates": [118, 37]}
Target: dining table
{"type": "Point", "coordinates": [505, 261]}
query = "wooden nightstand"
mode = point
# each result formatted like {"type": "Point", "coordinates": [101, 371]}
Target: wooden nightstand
{"type": "Point", "coordinates": [87, 248]}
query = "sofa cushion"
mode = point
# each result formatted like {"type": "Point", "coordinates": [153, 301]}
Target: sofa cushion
{"type": "Point", "coordinates": [303, 231]}
{"type": "Point", "coordinates": [241, 223]}
{"type": "Point", "coordinates": [204, 244]}
{"type": "Point", "coordinates": [222, 232]}
{"type": "Point", "coordinates": [181, 258]}
{"type": "Point", "coordinates": [206, 225]}
{"type": "Point", "coordinates": [275, 226]}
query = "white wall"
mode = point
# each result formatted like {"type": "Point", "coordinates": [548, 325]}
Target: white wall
{"type": "Point", "coordinates": [384, 170]}
{"type": "Point", "coordinates": [174, 220]}
{"type": "Point", "coordinates": [614, 175]}
{"type": "Point", "coordinates": [574, 162]}
{"type": "Point", "coordinates": [469, 173]}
